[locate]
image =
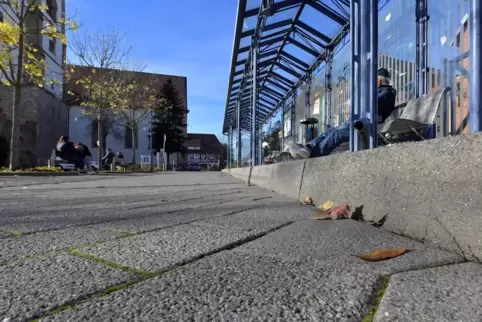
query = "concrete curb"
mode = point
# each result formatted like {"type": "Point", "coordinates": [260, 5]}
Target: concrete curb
{"type": "Point", "coordinates": [431, 190]}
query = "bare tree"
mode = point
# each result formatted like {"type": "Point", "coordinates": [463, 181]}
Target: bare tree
{"type": "Point", "coordinates": [140, 98]}
{"type": "Point", "coordinates": [98, 81]}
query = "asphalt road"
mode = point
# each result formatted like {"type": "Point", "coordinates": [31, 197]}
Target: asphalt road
{"type": "Point", "coordinates": [205, 247]}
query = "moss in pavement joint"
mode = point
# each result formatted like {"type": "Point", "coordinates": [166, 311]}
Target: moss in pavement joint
{"type": "Point", "coordinates": [12, 233]}
{"type": "Point", "coordinates": [378, 298]}
{"type": "Point", "coordinates": [110, 263]}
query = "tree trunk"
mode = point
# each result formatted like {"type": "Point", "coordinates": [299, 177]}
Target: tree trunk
{"type": "Point", "coordinates": [15, 131]}
{"type": "Point", "coordinates": [100, 138]}
{"type": "Point", "coordinates": [134, 141]}
{"type": "Point", "coordinates": [16, 107]}
{"type": "Point", "coordinates": [134, 133]}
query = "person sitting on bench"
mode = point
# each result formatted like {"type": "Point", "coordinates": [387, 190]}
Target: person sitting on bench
{"type": "Point", "coordinates": [67, 151]}
{"type": "Point", "coordinates": [108, 157]}
{"type": "Point", "coordinates": [328, 141]}
{"type": "Point", "coordinates": [83, 151]}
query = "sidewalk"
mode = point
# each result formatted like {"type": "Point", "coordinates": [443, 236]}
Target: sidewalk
{"type": "Point", "coordinates": [205, 247]}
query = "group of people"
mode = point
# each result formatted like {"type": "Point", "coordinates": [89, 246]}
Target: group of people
{"type": "Point", "coordinates": [79, 154]}
{"type": "Point", "coordinates": [328, 141]}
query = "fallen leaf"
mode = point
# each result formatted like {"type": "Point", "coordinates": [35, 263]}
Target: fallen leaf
{"type": "Point", "coordinates": [327, 205]}
{"type": "Point", "coordinates": [325, 217]}
{"type": "Point", "coordinates": [341, 212]}
{"type": "Point", "coordinates": [383, 254]}
{"type": "Point", "coordinates": [308, 201]}
{"type": "Point", "coordinates": [322, 212]}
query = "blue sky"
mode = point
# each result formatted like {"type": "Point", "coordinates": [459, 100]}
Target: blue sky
{"type": "Point", "coordinates": [178, 37]}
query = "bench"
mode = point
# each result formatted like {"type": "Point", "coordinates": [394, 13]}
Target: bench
{"type": "Point", "coordinates": [408, 122]}
{"type": "Point", "coordinates": [417, 116]}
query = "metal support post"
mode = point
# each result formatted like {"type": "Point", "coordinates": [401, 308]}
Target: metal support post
{"type": "Point", "coordinates": [230, 147]}
{"type": "Point", "coordinates": [355, 78]}
{"type": "Point", "coordinates": [293, 117]}
{"type": "Point", "coordinates": [282, 139]}
{"type": "Point", "coordinates": [373, 79]}
{"type": "Point", "coordinates": [421, 62]}
{"type": "Point", "coordinates": [365, 45]}
{"type": "Point", "coordinates": [254, 112]}
{"type": "Point", "coordinates": [328, 71]}
{"type": "Point", "coordinates": [239, 135]}
{"type": "Point", "coordinates": [260, 145]}
{"type": "Point", "coordinates": [475, 113]}
{"type": "Point", "coordinates": [308, 107]}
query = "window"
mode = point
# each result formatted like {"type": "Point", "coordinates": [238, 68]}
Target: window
{"type": "Point", "coordinates": [93, 134]}
{"type": "Point", "coordinates": [52, 9]}
{"type": "Point", "coordinates": [128, 138]}
{"type": "Point", "coordinates": [52, 46]}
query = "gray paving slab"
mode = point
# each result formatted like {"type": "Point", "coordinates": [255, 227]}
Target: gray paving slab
{"type": "Point", "coordinates": [57, 221]}
{"type": "Point", "coordinates": [237, 287]}
{"type": "Point", "coordinates": [29, 245]}
{"type": "Point", "coordinates": [442, 294]}
{"type": "Point", "coordinates": [31, 288]}
{"type": "Point", "coordinates": [270, 215]}
{"type": "Point", "coordinates": [336, 243]}
{"type": "Point", "coordinates": [138, 225]}
{"type": "Point", "coordinates": [100, 202]}
{"type": "Point", "coordinates": [164, 248]}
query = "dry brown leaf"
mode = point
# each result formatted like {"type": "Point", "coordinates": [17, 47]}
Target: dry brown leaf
{"type": "Point", "coordinates": [325, 217]}
{"type": "Point", "coordinates": [383, 254]}
{"type": "Point", "coordinates": [308, 201]}
{"type": "Point", "coordinates": [322, 212]}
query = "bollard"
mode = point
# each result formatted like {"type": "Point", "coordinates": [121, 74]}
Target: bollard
{"type": "Point", "coordinates": [112, 166]}
{"type": "Point", "coordinates": [53, 156]}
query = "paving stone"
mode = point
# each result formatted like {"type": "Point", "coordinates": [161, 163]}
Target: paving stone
{"type": "Point", "coordinates": [53, 240]}
{"type": "Point", "coordinates": [64, 220]}
{"type": "Point", "coordinates": [442, 294]}
{"type": "Point", "coordinates": [4, 235]}
{"type": "Point", "coordinates": [237, 287]}
{"type": "Point", "coordinates": [164, 248]}
{"type": "Point", "coordinates": [336, 243]}
{"type": "Point", "coordinates": [150, 223]}
{"type": "Point", "coordinates": [31, 288]}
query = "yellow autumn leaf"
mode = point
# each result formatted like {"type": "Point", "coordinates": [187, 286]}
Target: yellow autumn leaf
{"type": "Point", "coordinates": [327, 205]}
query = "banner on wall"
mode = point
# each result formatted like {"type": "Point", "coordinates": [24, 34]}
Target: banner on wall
{"type": "Point", "coordinates": [202, 158]}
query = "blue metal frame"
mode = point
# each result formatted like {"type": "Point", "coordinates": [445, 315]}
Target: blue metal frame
{"type": "Point", "coordinates": [475, 115]}
{"type": "Point", "coordinates": [293, 117]}
{"type": "Point", "coordinates": [421, 20]}
{"type": "Point", "coordinates": [254, 106]}
{"type": "Point", "coordinates": [328, 89]}
{"type": "Point", "coordinates": [308, 106]}
{"type": "Point", "coordinates": [355, 27]}
{"type": "Point", "coordinates": [373, 79]}
{"type": "Point", "coordinates": [239, 135]}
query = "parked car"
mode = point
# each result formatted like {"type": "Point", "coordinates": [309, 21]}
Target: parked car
{"type": "Point", "coordinates": [193, 167]}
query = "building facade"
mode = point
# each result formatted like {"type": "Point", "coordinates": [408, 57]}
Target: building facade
{"type": "Point", "coordinates": [83, 128]}
{"type": "Point", "coordinates": [205, 150]}
{"type": "Point", "coordinates": [41, 107]}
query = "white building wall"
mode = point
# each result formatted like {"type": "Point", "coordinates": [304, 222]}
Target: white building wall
{"type": "Point", "coordinates": [79, 131]}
